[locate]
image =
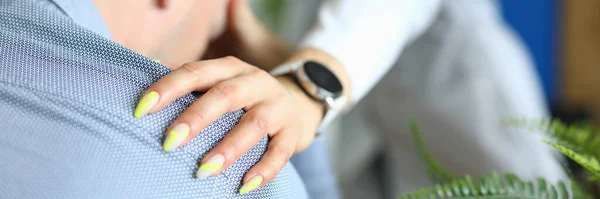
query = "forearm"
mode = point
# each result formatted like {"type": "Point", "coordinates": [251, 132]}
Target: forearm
{"type": "Point", "coordinates": [267, 51]}
{"type": "Point", "coordinates": [367, 37]}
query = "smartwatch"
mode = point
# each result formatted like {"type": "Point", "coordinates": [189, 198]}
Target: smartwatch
{"type": "Point", "coordinates": [318, 82]}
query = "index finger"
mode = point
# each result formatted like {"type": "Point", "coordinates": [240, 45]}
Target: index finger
{"type": "Point", "coordinates": [194, 76]}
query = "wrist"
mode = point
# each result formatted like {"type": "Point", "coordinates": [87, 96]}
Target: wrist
{"type": "Point", "coordinates": [310, 111]}
{"type": "Point", "coordinates": [318, 106]}
{"type": "Point", "coordinates": [313, 107]}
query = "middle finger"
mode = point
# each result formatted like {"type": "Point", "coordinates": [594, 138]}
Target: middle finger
{"type": "Point", "coordinates": [226, 96]}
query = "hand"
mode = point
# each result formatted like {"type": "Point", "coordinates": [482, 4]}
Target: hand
{"type": "Point", "coordinates": [230, 85]}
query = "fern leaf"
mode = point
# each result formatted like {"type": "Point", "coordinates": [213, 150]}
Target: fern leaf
{"type": "Point", "coordinates": [493, 186]}
{"type": "Point", "coordinates": [580, 138]}
{"type": "Point", "coordinates": [498, 186]}
{"type": "Point", "coordinates": [590, 163]}
{"type": "Point", "coordinates": [434, 168]}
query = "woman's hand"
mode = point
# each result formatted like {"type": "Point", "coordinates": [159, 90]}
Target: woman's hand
{"type": "Point", "coordinates": [274, 107]}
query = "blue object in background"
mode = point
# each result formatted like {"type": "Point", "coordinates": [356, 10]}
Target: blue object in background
{"type": "Point", "coordinates": [536, 22]}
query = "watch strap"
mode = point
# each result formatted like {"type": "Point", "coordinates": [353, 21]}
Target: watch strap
{"type": "Point", "coordinates": [285, 69]}
{"type": "Point", "coordinates": [333, 108]}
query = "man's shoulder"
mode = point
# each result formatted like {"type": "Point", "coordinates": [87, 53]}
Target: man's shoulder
{"type": "Point", "coordinates": [66, 100]}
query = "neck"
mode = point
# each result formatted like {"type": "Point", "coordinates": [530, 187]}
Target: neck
{"type": "Point", "coordinates": [146, 29]}
{"type": "Point", "coordinates": [123, 23]}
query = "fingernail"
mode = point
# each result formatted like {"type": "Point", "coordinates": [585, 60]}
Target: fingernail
{"type": "Point", "coordinates": [251, 185]}
{"type": "Point", "coordinates": [145, 104]}
{"type": "Point", "coordinates": [176, 136]}
{"type": "Point", "coordinates": [211, 166]}
{"type": "Point", "coordinates": [157, 60]}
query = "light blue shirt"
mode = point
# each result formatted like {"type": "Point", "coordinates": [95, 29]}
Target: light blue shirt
{"type": "Point", "coordinates": [313, 165]}
{"type": "Point", "coordinates": [84, 13]}
{"type": "Point", "coordinates": [67, 131]}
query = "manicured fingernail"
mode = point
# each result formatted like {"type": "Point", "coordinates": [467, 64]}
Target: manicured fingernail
{"type": "Point", "coordinates": [145, 104]}
{"type": "Point", "coordinates": [156, 60]}
{"type": "Point", "coordinates": [211, 166]}
{"type": "Point", "coordinates": [176, 136]}
{"type": "Point", "coordinates": [251, 185]}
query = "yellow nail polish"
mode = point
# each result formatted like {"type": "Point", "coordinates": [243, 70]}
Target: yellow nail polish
{"type": "Point", "coordinates": [251, 185]}
{"type": "Point", "coordinates": [176, 136]}
{"type": "Point", "coordinates": [211, 166]}
{"type": "Point", "coordinates": [145, 104]}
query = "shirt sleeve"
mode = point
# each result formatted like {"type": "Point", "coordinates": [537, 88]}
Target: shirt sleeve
{"type": "Point", "coordinates": [368, 36]}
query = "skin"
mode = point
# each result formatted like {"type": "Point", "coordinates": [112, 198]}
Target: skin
{"type": "Point", "coordinates": [235, 53]}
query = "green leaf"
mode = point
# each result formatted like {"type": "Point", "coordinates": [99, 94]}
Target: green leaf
{"type": "Point", "coordinates": [590, 163]}
{"type": "Point", "coordinates": [434, 168]}
{"type": "Point", "coordinates": [553, 193]}
{"type": "Point", "coordinates": [471, 185]}
{"type": "Point", "coordinates": [494, 186]}
{"type": "Point", "coordinates": [456, 187]}
{"type": "Point", "coordinates": [562, 190]}
{"type": "Point", "coordinates": [440, 190]}
{"type": "Point", "coordinates": [577, 142]}
{"type": "Point", "coordinates": [541, 185]}
{"type": "Point", "coordinates": [497, 183]}
{"type": "Point", "coordinates": [424, 193]}
{"type": "Point", "coordinates": [448, 190]}
{"type": "Point", "coordinates": [581, 137]}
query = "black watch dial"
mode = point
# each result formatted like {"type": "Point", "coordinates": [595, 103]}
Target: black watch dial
{"type": "Point", "coordinates": [323, 77]}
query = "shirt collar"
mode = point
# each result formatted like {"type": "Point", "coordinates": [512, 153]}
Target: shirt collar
{"type": "Point", "coordinates": [84, 13]}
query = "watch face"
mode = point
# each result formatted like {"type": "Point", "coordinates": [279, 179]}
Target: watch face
{"type": "Point", "coordinates": [323, 77]}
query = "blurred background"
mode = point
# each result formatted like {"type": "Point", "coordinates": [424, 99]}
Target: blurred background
{"type": "Point", "coordinates": [561, 38]}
